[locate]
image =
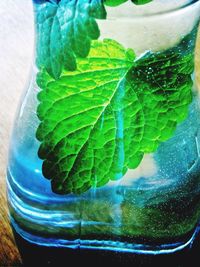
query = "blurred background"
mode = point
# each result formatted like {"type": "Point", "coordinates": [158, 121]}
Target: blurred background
{"type": "Point", "coordinates": [16, 49]}
{"type": "Point", "coordinates": [16, 46]}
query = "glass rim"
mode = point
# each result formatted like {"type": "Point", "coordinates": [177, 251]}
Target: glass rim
{"type": "Point", "coordinates": [184, 7]}
{"type": "Point", "coordinates": [179, 8]}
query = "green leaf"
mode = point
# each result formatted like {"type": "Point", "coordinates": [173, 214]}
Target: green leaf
{"type": "Point", "coordinates": [65, 30]}
{"type": "Point", "coordinates": [114, 2]}
{"type": "Point", "coordinates": [165, 83]}
{"type": "Point", "coordinates": [80, 116]}
{"type": "Point", "coordinates": [141, 2]}
{"type": "Point", "coordinates": [119, 2]}
{"type": "Point", "coordinates": [98, 121]}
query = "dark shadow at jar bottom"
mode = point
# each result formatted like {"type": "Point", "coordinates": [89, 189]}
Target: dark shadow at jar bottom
{"type": "Point", "coordinates": [35, 255]}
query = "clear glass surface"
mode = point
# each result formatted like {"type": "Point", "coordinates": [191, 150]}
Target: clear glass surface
{"type": "Point", "coordinates": [105, 146]}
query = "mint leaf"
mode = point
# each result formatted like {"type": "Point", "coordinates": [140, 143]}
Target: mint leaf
{"type": "Point", "coordinates": [165, 85]}
{"type": "Point", "coordinates": [114, 2]}
{"type": "Point", "coordinates": [119, 2]}
{"type": "Point", "coordinates": [80, 119]}
{"type": "Point", "coordinates": [98, 121]}
{"type": "Point", "coordinates": [141, 2]}
{"type": "Point", "coordinates": [65, 30]}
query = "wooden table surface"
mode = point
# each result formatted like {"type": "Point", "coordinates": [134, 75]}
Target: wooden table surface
{"type": "Point", "coordinates": [16, 46]}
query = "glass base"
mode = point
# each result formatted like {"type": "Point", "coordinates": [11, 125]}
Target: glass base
{"type": "Point", "coordinates": [105, 245]}
{"type": "Point", "coordinates": [53, 229]}
{"type": "Point", "coordinates": [47, 255]}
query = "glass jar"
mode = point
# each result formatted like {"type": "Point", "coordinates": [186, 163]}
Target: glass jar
{"type": "Point", "coordinates": [105, 147]}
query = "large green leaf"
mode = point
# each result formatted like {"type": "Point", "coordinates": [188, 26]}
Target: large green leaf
{"type": "Point", "coordinates": [64, 31]}
{"type": "Point", "coordinates": [98, 121]}
{"type": "Point", "coordinates": [80, 114]}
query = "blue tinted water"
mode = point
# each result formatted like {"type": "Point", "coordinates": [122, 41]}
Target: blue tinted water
{"type": "Point", "coordinates": [44, 217]}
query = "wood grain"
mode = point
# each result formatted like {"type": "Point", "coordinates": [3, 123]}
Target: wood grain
{"type": "Point", "coordinates": [16, 45]}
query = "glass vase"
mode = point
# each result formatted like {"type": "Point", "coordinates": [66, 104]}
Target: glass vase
{"type": "Point", "coordinates": [105, 147]}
